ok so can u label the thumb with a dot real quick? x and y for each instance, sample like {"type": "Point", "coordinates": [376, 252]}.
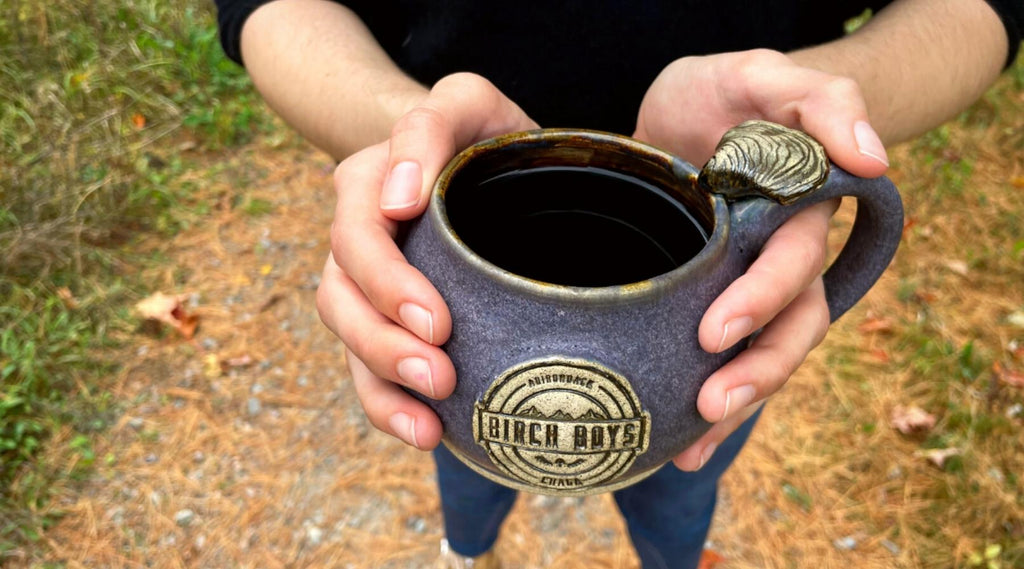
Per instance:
{"type": "Point", "coordinates": [841, 126]}
{"type": "Point", "coordinates": [461, 109]}
{"type": "Point", "coordinates": [832, 110]}
{"type": "Point", "coordinates": [828, 107]}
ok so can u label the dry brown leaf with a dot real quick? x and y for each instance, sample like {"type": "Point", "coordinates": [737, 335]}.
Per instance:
{"type": "Point", "coordinates": [237, 361]}
{"type": "Point", "coordinates": [183, 393]}
{"type": "Point", "coordinates": [938, 456]}
{"type": "Point", "coordinates": [270, 302]}
{"type": "Point", "coordinates": [168, 309]}
{"type": "Point", "coordinates": [875, 324]}
{"type": "Point", "coordinates": [958, 267]}
{"type": "Point", "coordinates": [1010, 377]}
{"type": "Point", "coordinates": [911, 419]}
{"type": "Point", "coordinates": [65, 295]}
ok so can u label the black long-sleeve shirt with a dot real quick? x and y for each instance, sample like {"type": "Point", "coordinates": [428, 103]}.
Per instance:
{"type": "Point", "coordinates": [586, 64]}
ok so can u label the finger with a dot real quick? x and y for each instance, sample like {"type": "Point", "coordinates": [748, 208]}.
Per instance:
{"type": "Point", "coordinates": [791, 259]}
{"type": "Point", "coordinates": [699, 453]}
{"type": "Point", "coordinates": [765, 366]}
{"type": "Point", "coordinates": [828, 107]}
{"type": "Point", "coordinates": [461, 109]}
{"type": "Point", "coordinates": [362, 243]}
{"type": "Point", "coordinates": [389, 351]}
{"type": "Point", "coordinates": [392, 410]}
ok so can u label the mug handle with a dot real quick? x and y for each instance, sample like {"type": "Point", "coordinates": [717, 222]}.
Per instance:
{"type": "Point", "coordinates": [798, 175]}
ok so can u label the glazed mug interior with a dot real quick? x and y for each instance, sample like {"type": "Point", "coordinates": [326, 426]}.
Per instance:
{"type": "Point", "coordinates": [576, 210]}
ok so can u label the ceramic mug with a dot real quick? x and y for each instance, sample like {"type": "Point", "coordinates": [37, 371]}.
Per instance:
{"type": "Point", "coordinates": [577, 266]}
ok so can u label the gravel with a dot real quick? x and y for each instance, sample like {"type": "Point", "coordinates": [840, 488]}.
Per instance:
{"type": "Point", "coordinates": [184, 517]}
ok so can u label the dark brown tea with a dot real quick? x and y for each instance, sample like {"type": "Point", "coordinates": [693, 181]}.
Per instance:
{"type": "Point", "coordinates": [578, 226]}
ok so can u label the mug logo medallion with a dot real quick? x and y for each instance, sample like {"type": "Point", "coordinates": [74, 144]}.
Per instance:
{"type": "Point", "coordinates": [561, 424]}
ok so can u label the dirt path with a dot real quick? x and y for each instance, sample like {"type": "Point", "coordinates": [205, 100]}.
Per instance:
{"type": "Point", "coordinates": [247, 447]}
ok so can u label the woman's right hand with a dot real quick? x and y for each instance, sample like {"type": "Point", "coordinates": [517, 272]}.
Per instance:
{"type": "Point", "coordinates": [389, 316]}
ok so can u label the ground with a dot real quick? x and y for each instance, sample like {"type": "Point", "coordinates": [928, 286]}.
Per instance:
{"type": "Point", "coordinates": [246, 446]}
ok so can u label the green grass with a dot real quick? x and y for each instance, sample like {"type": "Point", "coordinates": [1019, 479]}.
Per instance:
{"type": "Point", "coordinates": [951, 365]}
{"type": "Point", "coordinates": [105, 107]}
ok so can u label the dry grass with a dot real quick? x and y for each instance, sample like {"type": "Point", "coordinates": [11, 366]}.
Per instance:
{"type": "Point", "coordinates": [304, 482]}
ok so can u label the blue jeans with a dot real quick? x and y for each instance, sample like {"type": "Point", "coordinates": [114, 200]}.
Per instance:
{"type": "Point", "coordinates": [668, 514]}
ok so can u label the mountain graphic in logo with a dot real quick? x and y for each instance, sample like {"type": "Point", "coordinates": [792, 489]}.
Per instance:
{"type": "Point", "coordinates": [532, 412]}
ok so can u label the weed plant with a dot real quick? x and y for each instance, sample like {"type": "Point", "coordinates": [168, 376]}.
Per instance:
{"type": "Point", "coordinates": [102, 105]}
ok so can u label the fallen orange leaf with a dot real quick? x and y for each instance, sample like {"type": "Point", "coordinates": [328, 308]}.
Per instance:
{"type": "Point", "coordinates": [881, 355]}
{"type": "Point", "coordinates": [875, 324]}
{"type": "Point", "coordinates": [926, 296]}
{"type": "Point", "coordinates": [709, 559]}
{"type": "Point", "coordinates": [1010, 377]}
{"type": "Point", "coordinates": [168, 309]}
{"type": "Point", "coordinates": [1017, 182]}
{"type": "Point", "coordinates": [139, 121]}
{"type": "Point", "coordinates": [908, 224]}
{"type": "Point", "coordinates": [1017, 350]}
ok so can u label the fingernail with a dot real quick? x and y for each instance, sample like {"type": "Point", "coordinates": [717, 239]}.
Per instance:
{"type": "Point", "coordinates": [404, 427]}
{"type": "Point", "coordinates": [868, 142]}
{"type": "Point", "coordinates": [418, 320]}
{"type": "Point", "coordinates": [415, 372]}
{"type": "Point", "coordinates": [738, 398]}
{"type": "Point", "coordinates": [733, 331]}
{"type": "Point", "coordinates": [402, 186]}
{"type": "Point", "coordinates": [705, 454]}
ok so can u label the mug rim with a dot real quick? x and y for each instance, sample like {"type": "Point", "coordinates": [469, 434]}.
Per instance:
{"type": "Point", "coordinates": [653, 286]}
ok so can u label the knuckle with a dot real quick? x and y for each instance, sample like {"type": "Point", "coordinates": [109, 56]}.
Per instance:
{"type": "Point", "coordinates": [764, 55]}
{"type": "Point", "coordinates": [824, 320]}
{"type": "Point", "coordinates": [354, 162]}
{"type": "Point", "coordinates": [761, 283]}
{"type": "Point", "coordinates": [749, 71]}
{"type": "Point", "coordinates": [802, 250]}
{"type": "Point", "coordinates": [340, 236]}
{"type": "Point", "coordinates": [362, 343]}
{"type": "Point", "coordinates": [374, 415]}
{"type": "Point", "coordinates": [811, 253]}
{"type": "Point", "coordinates": [753, 62]}
{"type": "Point", "coordinates": [341, 172]}
{"type": "Point", "coordinates": [840, 88]}
{"type": "Point", "coordinates": [323, 302]}
{"type": "Point", "coordinates": [464, 81]}
{"type": "Point", "coordinates": [778, 371]}
{"type": "Point", "coordinates": [378, 288]}
{"type": "Point", "coordinates": [420, 119]}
